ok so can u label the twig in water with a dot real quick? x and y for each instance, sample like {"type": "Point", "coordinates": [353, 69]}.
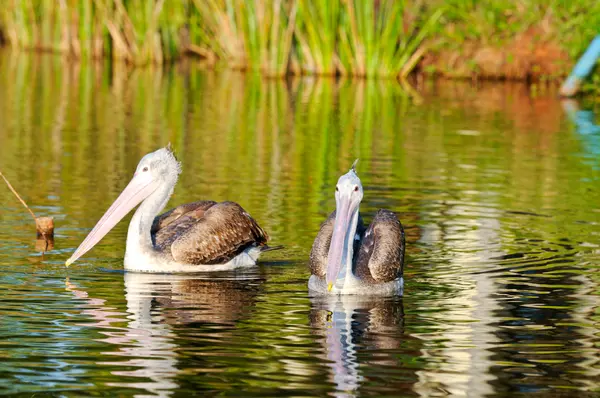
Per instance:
{"type": "Point", "coordinates": [44, 225]}
{"type": "Point", "coordinates": [18, 197]}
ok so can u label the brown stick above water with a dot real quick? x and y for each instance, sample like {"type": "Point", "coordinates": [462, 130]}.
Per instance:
{"type": "Point", "coordinates": [43, 225]}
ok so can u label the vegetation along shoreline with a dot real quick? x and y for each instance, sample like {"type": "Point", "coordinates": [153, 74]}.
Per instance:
{"type": "Point", "coordinates": [533, 41]}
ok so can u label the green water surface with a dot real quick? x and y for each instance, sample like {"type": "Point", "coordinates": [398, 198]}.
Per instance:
{"type": "Point", "coordinates": [496, 185]}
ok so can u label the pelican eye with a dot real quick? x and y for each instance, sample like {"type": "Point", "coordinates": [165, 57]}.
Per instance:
{"type": "Point", "coordinates": [356, 188]}
{"type": "Point", "coordinates": [145, 168]}
{"type": "Point", "coordinates": [336, 189]}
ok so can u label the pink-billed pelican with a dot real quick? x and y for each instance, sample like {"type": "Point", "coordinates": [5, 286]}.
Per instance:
{"type": "Point", "coordinates": [194, 237]}
{"type": "Point", "coordinates": [347, 259]}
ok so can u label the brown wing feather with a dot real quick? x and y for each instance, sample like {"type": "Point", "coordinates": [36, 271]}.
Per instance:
{"type": "Point", "coordinates": [168, 224]}
{"type": "Point", "coordinates": [320, 248]}
{"type": "Point", "coordinates": [381, 253]}
{"type": "Point", "coordinates": [224, 232]}
{"type": "Point", "coordinates": [172, 215]}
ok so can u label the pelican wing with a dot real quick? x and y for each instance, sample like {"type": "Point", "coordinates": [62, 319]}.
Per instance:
{"type": "Point", "coordinates": [170, 224]}
{"type": "Point", "coordinates": [318, 254]}
{"type": "Point", "coordinates": [381, 253]}
{"type": "Point", "coordinates": [224, 231]}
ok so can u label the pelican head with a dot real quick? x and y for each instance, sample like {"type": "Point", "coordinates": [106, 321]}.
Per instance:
{"type": "Point", "coordinates": [161, 165]}
{"type": "Point", "coordinates": [348, 195]}
{"type": "Point", "coordinates": [157, 171]}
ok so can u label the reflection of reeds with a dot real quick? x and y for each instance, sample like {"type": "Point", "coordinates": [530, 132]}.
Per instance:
{"type": "Point", "coordinates": [276, 147]}
{"type": "Point", "coordinates": [236, 134]}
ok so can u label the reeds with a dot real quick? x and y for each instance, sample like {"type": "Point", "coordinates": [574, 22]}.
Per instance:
{"type": "Point", "coordinates": [316, 37]}
{"type": "Point", "coordinates": [383, 38]}
{"type": "Point", "coordinates": [130, 30]}
{"type": "Point", "coordinates": [63, 26]}
{"type": "Point", "coordinates": [254, 34]}
{"type": "Point", "coordinates": [362, 38]}
{"type": "Point", "coordinates": [275, 37]}
{"type": "Point", "coordinates": [346, 37]}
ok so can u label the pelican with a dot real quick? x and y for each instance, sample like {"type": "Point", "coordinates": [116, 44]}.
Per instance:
{"type": "Point", "coordinates": [377, 266]}
{"type": "Point", "coordinates": [194, 237]}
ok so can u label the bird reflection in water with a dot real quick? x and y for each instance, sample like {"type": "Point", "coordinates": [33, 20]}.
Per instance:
{"type": "Point", "coordinates": [351, 323]}
{"type": "Point", "coordinates": [155, 304]}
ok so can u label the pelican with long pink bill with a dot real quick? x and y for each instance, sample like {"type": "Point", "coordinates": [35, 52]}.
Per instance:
{"type": "Point", "coordinates": [194, 237]}
{"type": "Point", "coordinates": [346, 258]}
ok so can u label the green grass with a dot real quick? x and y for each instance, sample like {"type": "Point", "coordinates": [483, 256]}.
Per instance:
{"type": "Point", "coordinates": [571, 25]}
{"type": "Point", "coordinates": [526, 24]}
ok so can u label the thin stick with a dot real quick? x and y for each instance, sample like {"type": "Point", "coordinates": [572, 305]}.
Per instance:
{"type": "Point", "coordinates": [18, 197]}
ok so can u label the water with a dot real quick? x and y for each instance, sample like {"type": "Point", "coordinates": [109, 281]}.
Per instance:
{"type": "Point", "coordinates": [497, 187]}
